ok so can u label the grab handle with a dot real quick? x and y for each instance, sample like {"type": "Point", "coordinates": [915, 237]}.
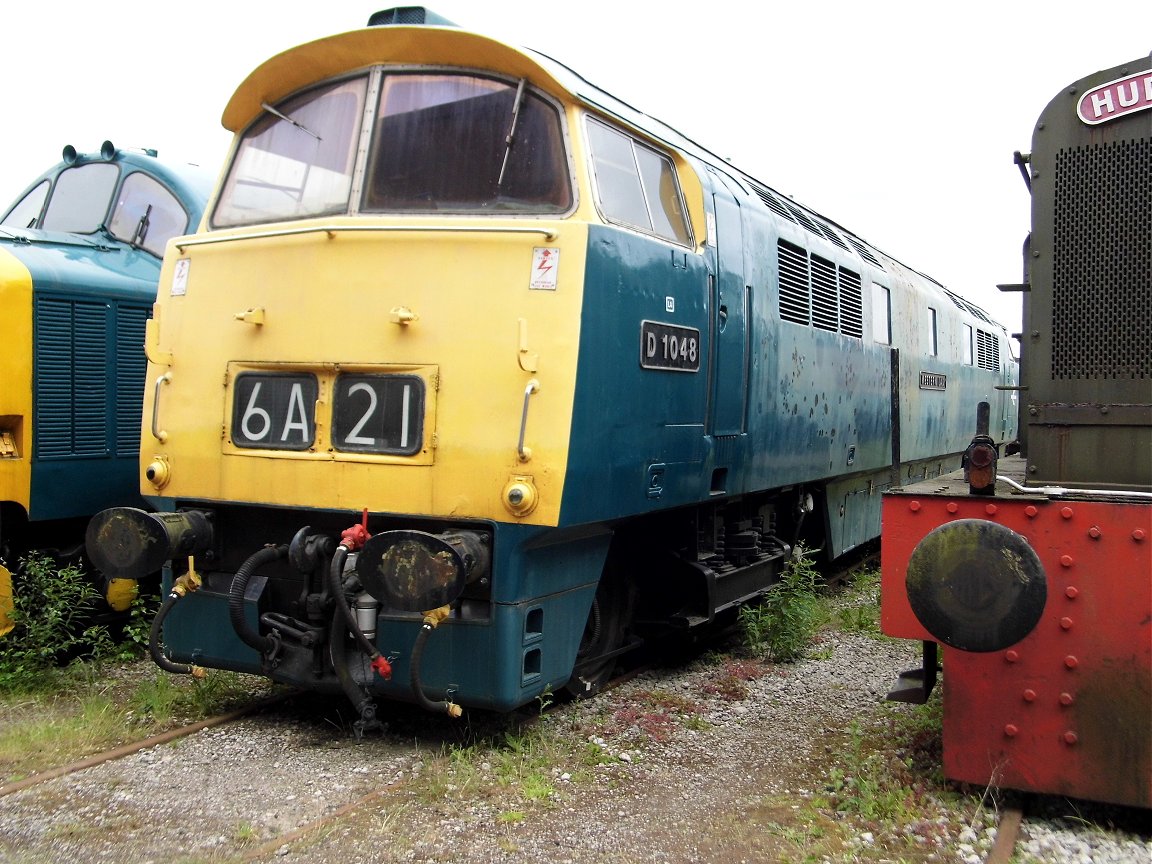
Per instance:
{"type": "Point", "coordinates": [525, 453]}
{"type": "Point", "coordinates": [159, 434]}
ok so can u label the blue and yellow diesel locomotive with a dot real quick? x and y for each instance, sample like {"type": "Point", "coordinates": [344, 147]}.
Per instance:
{"type": "Point", "coordinates": [475, 374]}
{"type": "Point", "coordinates": [1033, 575]}
{"type": "Point", "coordinates": [80, 254]}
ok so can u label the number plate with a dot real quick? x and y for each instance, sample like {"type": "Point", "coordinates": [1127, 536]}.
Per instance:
{"type": "Point", "coordinates": [378, 414]}
{"type": "Point", "coordinates": [274, 411]}
{"type": "Point", "coordinates": [371, 413]}
{"type": "Point", "coordinates": [666, 346]}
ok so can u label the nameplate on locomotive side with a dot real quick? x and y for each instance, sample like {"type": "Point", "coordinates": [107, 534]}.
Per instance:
{"type": "Point", "coordinates": [667, 346]}
{"type": "Point", "coordinates": [933, 381]}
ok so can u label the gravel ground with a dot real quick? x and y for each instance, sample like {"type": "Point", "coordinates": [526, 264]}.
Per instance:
{"type": "Point", "coordinates": [712, 761]}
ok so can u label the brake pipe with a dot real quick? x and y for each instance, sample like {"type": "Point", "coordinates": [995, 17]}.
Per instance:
{"type": "Point", "coordinates": [185, 584]}
{"type": "Point", "coordinates": [431, 620]}
{"type": "Point", "coordinates": [250, 637]}
{"type": "Point", "coordinates": [352, 540]}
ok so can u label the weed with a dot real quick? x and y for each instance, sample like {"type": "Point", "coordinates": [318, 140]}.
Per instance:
{"type": "Point", "coordinates": [156, 699]}
{"type": "Point", "coordinates": [731, 681]}
{"type": "Point", "coordinates": [511, 816]}
{"type": "Point", "coordinates": [785, 621]}
{"type": "Point", "coordinates": [51, 608]}
{"type": "Point", "coordinates": [244, 833]}
{"type": "Point", "coordinates": [545, 699]}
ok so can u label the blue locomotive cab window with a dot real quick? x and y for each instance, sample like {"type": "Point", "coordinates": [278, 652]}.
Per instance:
{"type": "Point", "coordinates": [636, 185]}
{"type": "Point", "coordinates": [462, 143]}
{"type": "Point", "coordinates": [79, 202]}
{"type": "Point", "coordinates": [297, 160]}
{"type": "Point", "coordinates": [26, 211]}
{"type": "Point", "coordinates": [146, 214]}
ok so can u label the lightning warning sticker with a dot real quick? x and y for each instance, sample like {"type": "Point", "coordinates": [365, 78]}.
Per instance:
{"type": "Point", "coordinates": [180, 277]}
{"type": "Point", "coordinates": [545, 263]}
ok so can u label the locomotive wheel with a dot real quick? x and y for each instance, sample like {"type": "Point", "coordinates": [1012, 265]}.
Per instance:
{"type": "Point", "coordinates": [604, 632]}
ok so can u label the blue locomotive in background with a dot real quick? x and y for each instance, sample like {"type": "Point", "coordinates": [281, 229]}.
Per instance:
{"type": "Point", "coordinates": [467, 344]}
{"type": "Point", "coordinates": [80, 253]}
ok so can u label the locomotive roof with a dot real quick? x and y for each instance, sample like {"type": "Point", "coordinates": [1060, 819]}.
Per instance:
{"type": "Point", "coordinates": [347, 52]}
{"type": "Point", "coordinates": [190, 183]}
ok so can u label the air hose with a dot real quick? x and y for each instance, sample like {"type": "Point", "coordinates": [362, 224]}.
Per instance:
{"type": "Point", "coordinates": [431, 619]}
{"type": "Point", "coordinates": [249, 636]}
{"type": "Point", "coordinates": [189, 582]}
{"type": "Point", "coordinates": [335, 572]}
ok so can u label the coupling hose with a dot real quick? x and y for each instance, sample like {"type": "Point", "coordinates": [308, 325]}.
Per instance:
{"type": "Point", "coordinates": [442, 707]}
{"type": "Point", "coordinates": [335, 585]}
{"type": "Point", "coordinates": [250, 637]}
{"type": "Point", "coordinates": [154, 648]}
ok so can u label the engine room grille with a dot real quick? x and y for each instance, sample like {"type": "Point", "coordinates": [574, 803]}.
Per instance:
{"type": "Point", "coordinates": [1102, 251]}
{"type": "Point", "coordinates": [987, 351]}
{"type": "Point", "coordinates": [818, 292]}
{"type": "Point", "coordinates": [70, 392]}
{"type": "Point", "coordinates": [77, 401]}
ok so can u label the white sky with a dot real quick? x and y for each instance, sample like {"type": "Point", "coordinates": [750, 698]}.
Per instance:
{"type": "Point", "coordinates": [896, 119]}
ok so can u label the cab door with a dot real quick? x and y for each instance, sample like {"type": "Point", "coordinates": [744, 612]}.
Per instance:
{"type": "Point", "coordinates": [730, 300]}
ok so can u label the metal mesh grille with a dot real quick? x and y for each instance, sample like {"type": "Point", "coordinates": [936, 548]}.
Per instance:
{"type": "Point", "coordinates": [1102, 251]}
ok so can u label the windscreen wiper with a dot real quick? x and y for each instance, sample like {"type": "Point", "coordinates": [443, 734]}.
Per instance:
{"type": "Point", "coordinates": [511, 131]}
{"type": "Point", "coordinates": [288, 119]}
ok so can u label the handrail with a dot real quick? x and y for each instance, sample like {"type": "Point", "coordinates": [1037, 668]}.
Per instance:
{"type": "Point", "coordinates": [526, 454]}
{"type": "Point", "coordinates": [332, 230]}
{"type": "Point", "coordinates": [159, 434]}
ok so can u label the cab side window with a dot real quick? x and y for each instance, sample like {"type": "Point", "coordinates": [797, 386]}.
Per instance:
{"type": "Point", "coordinates": [636, 185]}
{"type": "Point", "coordinates": [27, 210]}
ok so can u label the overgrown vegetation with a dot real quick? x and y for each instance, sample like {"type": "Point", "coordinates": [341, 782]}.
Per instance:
{"type": "Point", "coordinates": [784, 623]}
{"type": "Point", "coordinates": [70, 687]}
{"type": "Point", "coordinates": [52, 610]}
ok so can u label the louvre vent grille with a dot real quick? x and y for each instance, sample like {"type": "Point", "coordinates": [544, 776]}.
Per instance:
{"type": "Point", "coordinates": [864, 251]}
{"type": "Point", "coordinates": [772, 201]}
{"type": "Point", "coordinates": [814, 290]}
{"type": "Point", "coordinates": [825, 313]}
{"type": "Point", "coordinates": [71, 389]}
{"type": "Point", "coordinates": [1102, 259]}
{"type": "Point", "coordinates": [987, 351]}
{"type": "Point", "coordinates": [851, 304]}
{"type": "Point", "coordinates": [830, 232]}
{"type": "Point", "coordinates": [803, 219]}
{"type": "Point", "coordinates": [793, 263]}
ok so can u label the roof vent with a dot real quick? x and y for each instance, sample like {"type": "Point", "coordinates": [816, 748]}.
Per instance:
{"type": "Point", "coordinates": [408, 15]}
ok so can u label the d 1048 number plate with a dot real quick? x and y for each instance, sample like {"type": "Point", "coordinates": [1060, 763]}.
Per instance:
{"type": "Point", "coordinates": [667, 346]}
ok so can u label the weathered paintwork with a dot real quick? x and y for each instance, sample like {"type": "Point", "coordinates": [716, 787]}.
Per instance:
{"type": "Point", "coordinates": [544, 431]}
{"type": "Point", "coordinates": [1066, 709]}
{"type": "Point", "coordinates": [1041, 593]}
